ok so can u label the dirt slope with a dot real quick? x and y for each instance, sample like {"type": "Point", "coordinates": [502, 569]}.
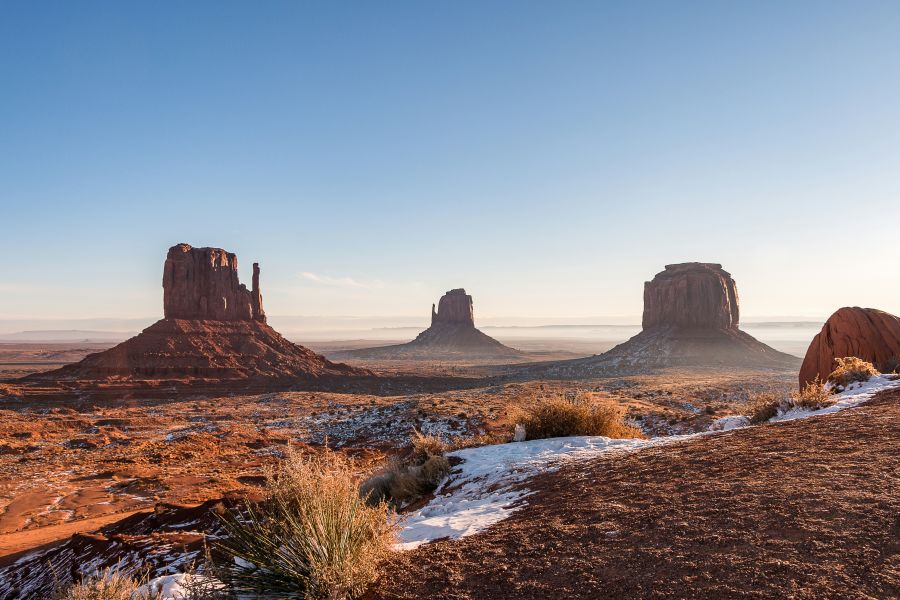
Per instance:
{"type": "Point", "coordinates": [801, 509]}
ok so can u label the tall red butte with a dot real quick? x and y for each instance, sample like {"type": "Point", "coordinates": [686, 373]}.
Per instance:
{"type": "Point", "coordinates": [870, 334]}
{"type": "Point", "coordinates": [691, 319]}
{"type": "Point", "coordinates": [214, 331]}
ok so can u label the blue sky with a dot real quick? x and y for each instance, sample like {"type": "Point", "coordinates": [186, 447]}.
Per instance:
{"type": "Point", "coordinates": [550, 157]}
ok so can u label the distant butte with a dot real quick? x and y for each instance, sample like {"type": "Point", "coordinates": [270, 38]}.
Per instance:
{"type": "Point", "coordinates": [451, 336]}
{"type": "Point", "coordinates": [214, 331]}
{"type": "Point", "coordinates": [691, 317]}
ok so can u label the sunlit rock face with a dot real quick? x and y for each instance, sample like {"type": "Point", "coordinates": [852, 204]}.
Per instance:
{"type": "Point", "coordinates": [691, 296]}
{"type": "Point", "coordinates": [202, 283]}
{"type": "Point", "coordinates": [870, 334]}
{"type": "Point", "coordinates": [454, 307]}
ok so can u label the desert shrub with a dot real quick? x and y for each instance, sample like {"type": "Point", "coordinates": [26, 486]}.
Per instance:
{"type": "Point", "coordinates": [851, 369]}
{"type": "Point", "coordinates": [313, 537]}
{"type": "Point", "coordinates": [109, 584]}
{"type": "Point", "coordinates": [425, 446]}
{"type": "Point", "coordinates": [401, 482]}
{"type": "Point", "coordinates": [813, 396]}
{"type": "Point", "coordinates": [560, 417]}
{"type": "Point", "coordinates": [764, 406]}
{"type": "Point", "coordinates": [892, 365]}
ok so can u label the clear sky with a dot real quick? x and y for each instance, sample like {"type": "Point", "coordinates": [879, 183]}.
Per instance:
{"type": "Point", "coordinates": [549, 157]}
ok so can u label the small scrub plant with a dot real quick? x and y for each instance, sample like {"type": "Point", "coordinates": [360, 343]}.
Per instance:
{"type": "Point", "coordinates": [813, 396]}
{"type": "Point", "coordinates": [764, 406]}
{"type": "Point", "coordinates": [401, 482]}
{"type": "Point", "coordinates": [425, 446]}
{"type": "Point", "coordinates": [109, 584]}
{"type": "Point", "coordinates": [851, 369]}
{"type": "Point", "coordinates": [561, 417]}
{"type": "Point", "coordinates": [313, 537]}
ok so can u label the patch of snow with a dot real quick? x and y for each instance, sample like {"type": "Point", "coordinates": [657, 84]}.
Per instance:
{"type": "Point", "coordinates": [729, 422]}
{"type": "Point", "coordinates": [486, 487]}
{"type": "Point", "coordinates": [853, 395]}
{"type": "Point", "coordinates": [481, 491]}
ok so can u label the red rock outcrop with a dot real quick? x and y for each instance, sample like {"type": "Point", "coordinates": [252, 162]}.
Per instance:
{"type": "Point", "coordinates": [214, 331]}
{"type": "Point", "coordinates": [202, 283]}
{"type": "Point", "coordinates": [691, 317]}
{"type": "Point", "coordinates": [454, 307]}
{"type": "Point", "coordinates": [870, 334]}
{"type": "Point", "coordinates": [691, 296]}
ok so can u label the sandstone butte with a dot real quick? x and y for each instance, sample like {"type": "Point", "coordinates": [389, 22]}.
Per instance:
{"type": "Point", "coordinates": [691, 318]}
{"type": "Point", "coordinates": [870, 334]}
{"type": "Point", "coordinates": [214, 329]}
{"type": "Point", "coordinates": [451, 336]}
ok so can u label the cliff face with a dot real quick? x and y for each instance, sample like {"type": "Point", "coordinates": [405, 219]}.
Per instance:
{"type": "Point", "coordinates": [202, 283]}
{"type": "Point", "coordinates": [691, 296]}
{"type": "Point", "coordinates": [870, 334]}
{"type": "Point", "coordinates": [214, 331]}
{"type": "Point", "coordinates": [454, 307]}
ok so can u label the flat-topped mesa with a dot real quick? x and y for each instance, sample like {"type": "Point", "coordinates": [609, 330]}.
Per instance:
{"type": "Point", "coordinates": [454, 307]}
{"type": "Point", "coordinates": [202, 283]}
{"type": "Point", "coordinates": [691, 296]}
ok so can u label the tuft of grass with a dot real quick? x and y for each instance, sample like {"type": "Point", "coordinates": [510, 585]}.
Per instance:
{"type": "Point", "coordinates": [892, 365]}
{"type": "Point", "coordinates": [851, 369]}
{"type": "Point", "coordinates": [313, 537]}
{"type": "Point", "coordinates": [813, 396]}
{"type": "Point", "coordinates": [560, 417]}
{"type": "Point", "coordinates": [425, 446]}
{"type": "Point", "coordinates": [109, 584]}
{"type": "Point", "coordinates": [401, 482]}
{"type": "Point", "coordinates": [764, 406]}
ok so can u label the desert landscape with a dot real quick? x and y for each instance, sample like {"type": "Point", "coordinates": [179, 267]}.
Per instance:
{"type": "Point", "coordinates": [451, 301]}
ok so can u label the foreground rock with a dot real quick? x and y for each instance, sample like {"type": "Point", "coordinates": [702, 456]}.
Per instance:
{"type": "Point", "coordinates": [452, 336]}
{"type": "Point", "coordinates": [691, 319]}
{"type": "Point", "coordinates": [866, 333]}
{"type": "Point", "coordinates": [214, 331]}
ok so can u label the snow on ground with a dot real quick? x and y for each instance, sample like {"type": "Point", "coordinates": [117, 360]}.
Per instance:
{"type": "Point", "coordinates": [486, 488]}
{"type": "Point", "coordinates": [853, 395]}
{"type": "Point", "coordinates": [480, 491]}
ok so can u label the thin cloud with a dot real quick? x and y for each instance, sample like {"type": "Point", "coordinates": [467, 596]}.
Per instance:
{"type": "Point", "coordinates": [339, 281]}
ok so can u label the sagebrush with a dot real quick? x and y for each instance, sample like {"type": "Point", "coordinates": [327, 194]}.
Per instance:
{"type": "Point", "coordinates": [851, 369]}
{"type": "Point", "coordinates": [561, 417]}
{"type": "Point", "coordinates": [109, 584]}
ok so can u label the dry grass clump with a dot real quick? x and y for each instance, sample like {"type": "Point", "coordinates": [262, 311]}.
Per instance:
{"type": "Point", "coordinates": [851, 369]}
{"type": "Point", "coordinates": [401, 482]}
{"type": "Point", "coordinates": [560, 417]}
{"type": "Point", "coordinates": [891, 366]}
{"type": "Point", "coordinates": [313, 537]}
{"type": "Point", "coordinates": [764, 406]}
{"type": "Point", "coordinates": [425, 446]}
{"type": "Point", "coordinates": [109, 584]}
{"type": "Point", "coordinates": [812, 397]}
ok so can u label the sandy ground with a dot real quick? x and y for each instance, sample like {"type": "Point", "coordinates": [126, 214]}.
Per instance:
{"type": "Point", "coordinates": [65, 469]}
{"type": "Point", "coordinates": [799, 509]}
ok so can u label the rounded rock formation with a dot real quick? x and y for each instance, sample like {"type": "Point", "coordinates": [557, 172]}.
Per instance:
{"type": "Point", "coordinates": [867, 333]}
{"type": "Point", "coordinates": [691, 296]}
